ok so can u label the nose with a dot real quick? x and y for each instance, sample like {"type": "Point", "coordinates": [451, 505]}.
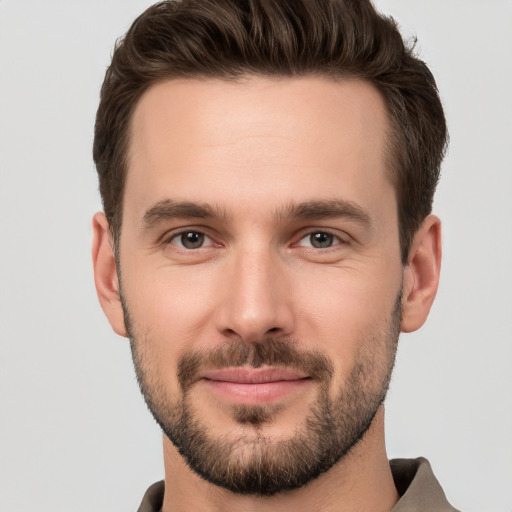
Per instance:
{"type": "Point", "coordinates": [256, 300]}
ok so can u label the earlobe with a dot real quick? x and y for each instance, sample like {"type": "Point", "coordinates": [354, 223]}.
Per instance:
{"type": "Point", "coordinates": [105, 273]}
{"type": "Point", "coordinates": [421, 275]}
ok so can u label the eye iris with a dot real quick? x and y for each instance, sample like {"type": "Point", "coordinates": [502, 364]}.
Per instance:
{"type": "Point", "coordinates": [321, 240]}
{"type": "Point", "coordinates": [192, 240]}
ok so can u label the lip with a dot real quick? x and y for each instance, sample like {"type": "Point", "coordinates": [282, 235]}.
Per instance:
{"type": "Point", "coordinates": [255, 386]}
{"type": "Point", "coordinates": [246, 375]}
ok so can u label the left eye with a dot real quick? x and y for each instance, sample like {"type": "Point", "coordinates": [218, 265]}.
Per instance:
{"type": "Point", "coordinates": [191, 240]}
{"type": "Point", "coordinates": [319, 240]}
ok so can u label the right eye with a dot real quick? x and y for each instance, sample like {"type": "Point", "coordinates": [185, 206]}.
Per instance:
{"type": "Point", "coordinates": [190, 240]}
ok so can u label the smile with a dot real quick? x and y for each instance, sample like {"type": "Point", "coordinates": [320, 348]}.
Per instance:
{"type": "Point", "coordinates": [255, 386]}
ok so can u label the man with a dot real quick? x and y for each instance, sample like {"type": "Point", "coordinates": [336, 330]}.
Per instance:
{"type": "Point", "coordinates": [267, 170]}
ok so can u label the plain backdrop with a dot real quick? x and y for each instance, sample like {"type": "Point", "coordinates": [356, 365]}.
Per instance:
{"type": "Point", "coordinates": [74, 432]}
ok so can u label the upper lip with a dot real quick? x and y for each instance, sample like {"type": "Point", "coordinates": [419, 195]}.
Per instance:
{"type": "Point", "coordinates": [247, 375]}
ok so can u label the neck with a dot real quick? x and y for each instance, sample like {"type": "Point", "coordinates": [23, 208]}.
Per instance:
{"type": "Point", "coordinates": [361, 481]}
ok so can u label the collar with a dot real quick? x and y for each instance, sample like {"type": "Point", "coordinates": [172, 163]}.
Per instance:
{"type": "Point", "coordinates": [415, 482]}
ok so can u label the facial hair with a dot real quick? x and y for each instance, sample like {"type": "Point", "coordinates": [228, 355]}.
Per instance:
{"type": "Point", "coordinates": [257, 464]}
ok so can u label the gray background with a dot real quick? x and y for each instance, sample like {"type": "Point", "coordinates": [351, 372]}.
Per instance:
{"type": "Point", "coordinates": [74, 432]}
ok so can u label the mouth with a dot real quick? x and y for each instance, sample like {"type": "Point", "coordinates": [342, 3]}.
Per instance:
{"type": "Point", "coordinates": [255, 386]}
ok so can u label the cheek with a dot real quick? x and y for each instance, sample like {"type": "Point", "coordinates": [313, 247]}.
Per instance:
{"type": "Point", "coordinates": [170, 307]}
{"type": "Point", "coordinates": [349, 318]}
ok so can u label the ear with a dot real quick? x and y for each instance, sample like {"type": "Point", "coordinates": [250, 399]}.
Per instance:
{"type": "Point", "coordinates": [105, 273]}
{"type": "Point", "coordinates": [421, 274]}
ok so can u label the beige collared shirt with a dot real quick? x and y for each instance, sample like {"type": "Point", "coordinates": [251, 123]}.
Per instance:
{"type": "Point", "coordinates": [415, 482]}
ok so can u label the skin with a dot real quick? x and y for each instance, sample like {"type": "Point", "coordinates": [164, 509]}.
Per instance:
{"type": "Point", "coordinates": [250, 150]}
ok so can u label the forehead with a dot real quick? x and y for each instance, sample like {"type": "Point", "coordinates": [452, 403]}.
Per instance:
{"type": "Point", "coordinates": [261, 137]}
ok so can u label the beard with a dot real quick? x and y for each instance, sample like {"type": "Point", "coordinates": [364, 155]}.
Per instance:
{"type": "Point", "coordinates": [253, 462]}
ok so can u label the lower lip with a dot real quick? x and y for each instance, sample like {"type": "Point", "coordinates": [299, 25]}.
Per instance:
{"type": "Point", "coordinates": [256, 394]}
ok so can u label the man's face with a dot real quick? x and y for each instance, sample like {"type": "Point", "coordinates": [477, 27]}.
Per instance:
{"type": "Point", "coordinates": [260, 272]}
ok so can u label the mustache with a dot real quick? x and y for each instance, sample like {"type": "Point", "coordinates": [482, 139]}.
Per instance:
{"type": "Point", "coordinates": [268, 352]}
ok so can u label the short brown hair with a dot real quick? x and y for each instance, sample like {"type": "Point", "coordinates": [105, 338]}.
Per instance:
{"type": "Point", "coordinates": [278, 38]}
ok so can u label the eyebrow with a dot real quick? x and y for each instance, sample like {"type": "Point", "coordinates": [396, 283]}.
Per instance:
{"type": "Point", "coordinates": [326, 208]}
{"type": "Point", "coordinates": [169, 209]}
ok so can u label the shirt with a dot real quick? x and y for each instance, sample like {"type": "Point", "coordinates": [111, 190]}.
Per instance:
{"type": "Point", "coordinates": [415, 482]}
